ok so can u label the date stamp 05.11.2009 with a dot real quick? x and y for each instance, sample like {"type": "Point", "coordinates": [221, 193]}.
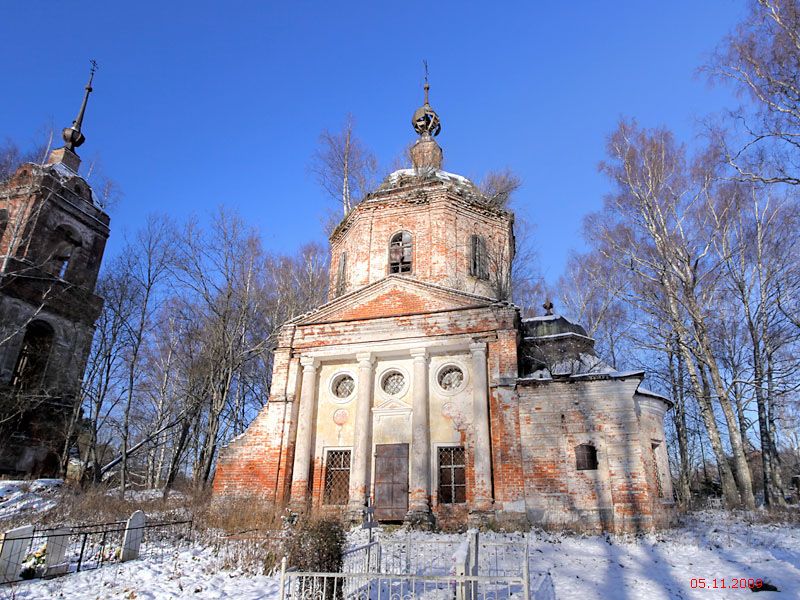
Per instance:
{"type": "Point", "coordinates": [726, 583]}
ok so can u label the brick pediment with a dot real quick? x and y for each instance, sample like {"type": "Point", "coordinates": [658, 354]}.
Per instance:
{"type": "Point", "coordinates": [392, 296]}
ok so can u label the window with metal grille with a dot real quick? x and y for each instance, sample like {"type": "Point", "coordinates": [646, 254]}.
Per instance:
{"type": "Point", "coordinates": [585, 457]}
{"type": "Point", "coordinates": [477, 265]}
{"type": "Point", "coordinates": [393, 383]}
{"type": "Point", "coordinates": [400, 253]}
{"type": "Point", "coordinates": [452, 475]}
{"type": "Point", "coordinates": [451, 378]}
{"type": "Point", "coordinates": [659, 484]}
{"type": "Point", "coordinates": [337, 477]}
{"type": "Point", "coordinates": [343, 386]}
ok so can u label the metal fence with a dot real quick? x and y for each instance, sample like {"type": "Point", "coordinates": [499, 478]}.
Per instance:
{"type": "Point", "coordinates": [52, 552]}
{"type": "Point", "coordinates": [417, 556]}
{"type": "Point", "coordinates": [363, 559]}
{"type": "Point", "coordinates": [466, 568]}
{"type": "Point", "coordinates": [502, 557]}
{"type": "Point", "coordinates": [296, 585]}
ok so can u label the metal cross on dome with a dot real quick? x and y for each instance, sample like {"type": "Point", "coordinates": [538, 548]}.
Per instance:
{"type": "Point", "coordinates": [425, 120]}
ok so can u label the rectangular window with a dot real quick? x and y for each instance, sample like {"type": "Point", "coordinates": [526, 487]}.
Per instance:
{"type": "Point", "coordinates": [657, 471]}
{"type": "Point", "coordinates": [337, 477]}
{"type": "Point", "coordinates": [3, 225]}
{"type": "Point", "coordinates": [585, 457]}
{"type": "Point", "coordinates": [477, 265]}
{"type": "Point", "coordinates": [341, 273]}
{"type": "Point", "coordinates": [452, 475]}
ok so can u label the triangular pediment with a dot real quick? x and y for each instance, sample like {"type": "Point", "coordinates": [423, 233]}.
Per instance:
{"type": "Point", "coordinates": [392, 406]}
{"type": "Point", "coordinates": [392, 296]}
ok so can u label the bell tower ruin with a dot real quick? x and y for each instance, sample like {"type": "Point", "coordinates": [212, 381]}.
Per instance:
{"type": "Point", "coordinates": [53, 232]}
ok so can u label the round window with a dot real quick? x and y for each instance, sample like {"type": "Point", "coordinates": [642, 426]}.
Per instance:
{"type": "Point", "coordinates": [393, 383]}
{"type": "Point", "coordinates": [451, 378]}
{"type": "Point", "coordinates": [343, 386]}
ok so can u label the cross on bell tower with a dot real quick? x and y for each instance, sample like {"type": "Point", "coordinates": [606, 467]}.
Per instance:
{"type": "Point", "coordinates": [73, 136]}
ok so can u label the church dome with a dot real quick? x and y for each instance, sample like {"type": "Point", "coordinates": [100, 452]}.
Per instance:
{"type": "Point", "coordinates": [551, 325]}
{"type": "Point", "coordinates": [426, 224]}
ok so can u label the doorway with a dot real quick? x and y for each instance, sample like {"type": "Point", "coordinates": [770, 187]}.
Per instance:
{"type": "Point", "coordinates": [391, 482]}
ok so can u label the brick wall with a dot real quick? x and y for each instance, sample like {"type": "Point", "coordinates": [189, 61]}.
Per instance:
{"type": "Point", "coordinates": [440, 221]}
{"type": "Point", "coordinates": [557, 416]}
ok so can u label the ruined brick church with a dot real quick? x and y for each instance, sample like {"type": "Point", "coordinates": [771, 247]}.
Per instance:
{"type": "Point", "coordinates": [53, 232]}
{"type": "Point", "coordinates": [419, 390]}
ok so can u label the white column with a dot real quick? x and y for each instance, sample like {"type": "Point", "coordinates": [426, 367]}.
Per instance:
{"type": "Point", "coordinates": [362, 435]}
{"type": "Point", "coordinates": [305, 430]}
{"type": "Point", "coordinates": [420, 480]}
{"type": "Point", "coordinates": [482, 459]}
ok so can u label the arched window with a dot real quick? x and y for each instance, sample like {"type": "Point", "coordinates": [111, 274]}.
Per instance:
{"type": "Point", "coordinates": [62, 250]}
{"type": "Point", "coordinates": [478, 259]}
{"type": "Point", "coordinates": [400, 253]}
{"type": "Point", "coordinates": [33, 356]}
{"type": "Point", "coordinates": [585, 457]}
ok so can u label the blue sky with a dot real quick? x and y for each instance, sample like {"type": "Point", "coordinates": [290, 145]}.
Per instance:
{"type": "Point", "coordinates": [199, 104]}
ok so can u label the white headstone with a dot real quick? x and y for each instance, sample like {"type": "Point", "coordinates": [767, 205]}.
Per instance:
{"type": "Point", "coordinates": [14, 544]}
{"type": "Point", "coordinates": [57, 542]}
{"type": "Point", "coordinates": [133, 536]}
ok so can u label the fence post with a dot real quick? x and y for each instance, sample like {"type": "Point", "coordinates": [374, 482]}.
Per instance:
{"type": "Point", "coordinates": [473, 551]}
{"type": "Point", "coordinates": [132, 539]}
{"type": "Point", "coordinates": [462, 569]}
{"type": "Point", "coordinates": [283, 578]}
{"type": "Point", "coordinates": [473, 566]}
{"type": "Point", "coordinates": [526, 573]}
{"type": "Point", "coordinates": [13, 545]}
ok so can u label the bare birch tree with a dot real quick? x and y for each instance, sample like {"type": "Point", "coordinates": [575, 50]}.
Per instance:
{"type": "Point", "coordinates": [148, 262]}
{"type": "Point", "coordinates": [655, 226]}
{"type": "Point", "coordinates": [762, 58]}
{"type": "Point", "coordinates": [344, 167]}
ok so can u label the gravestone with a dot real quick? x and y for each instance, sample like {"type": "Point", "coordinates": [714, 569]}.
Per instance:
{"type": "Point", "coordinates": [57, 542]}
{"type": "Point", "coordinates": [133, 536]}
{"type": "Point", "coordinates": [14, 544]}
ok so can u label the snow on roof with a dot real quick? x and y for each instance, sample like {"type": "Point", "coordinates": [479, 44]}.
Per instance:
{"type": "Point", "coordinates": [555, 336]}
{"type": "Point", "coordinates": [542, 318]}
{"type": "Point", "coordinates": [438, 173]}
{"type": "Point", "coordinates": [586, 365]}
{"type": "Point", "coordinates": [62, 170]}
{"type": "Point", "coordinates": [646, 392]}
{"type": "Point", "coordinates": [65, 174]}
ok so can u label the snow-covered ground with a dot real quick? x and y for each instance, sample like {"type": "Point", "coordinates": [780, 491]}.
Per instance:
{"type": "Point", "coordinates": [20, 497]}
{"type": "Point", "coordinates": [187, 573]}
{"type": "Point", "coordinates": [711, 545]}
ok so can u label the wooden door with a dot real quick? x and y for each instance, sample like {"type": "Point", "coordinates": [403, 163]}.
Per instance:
{"type": "Point", "coordinates": [391, 482]}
